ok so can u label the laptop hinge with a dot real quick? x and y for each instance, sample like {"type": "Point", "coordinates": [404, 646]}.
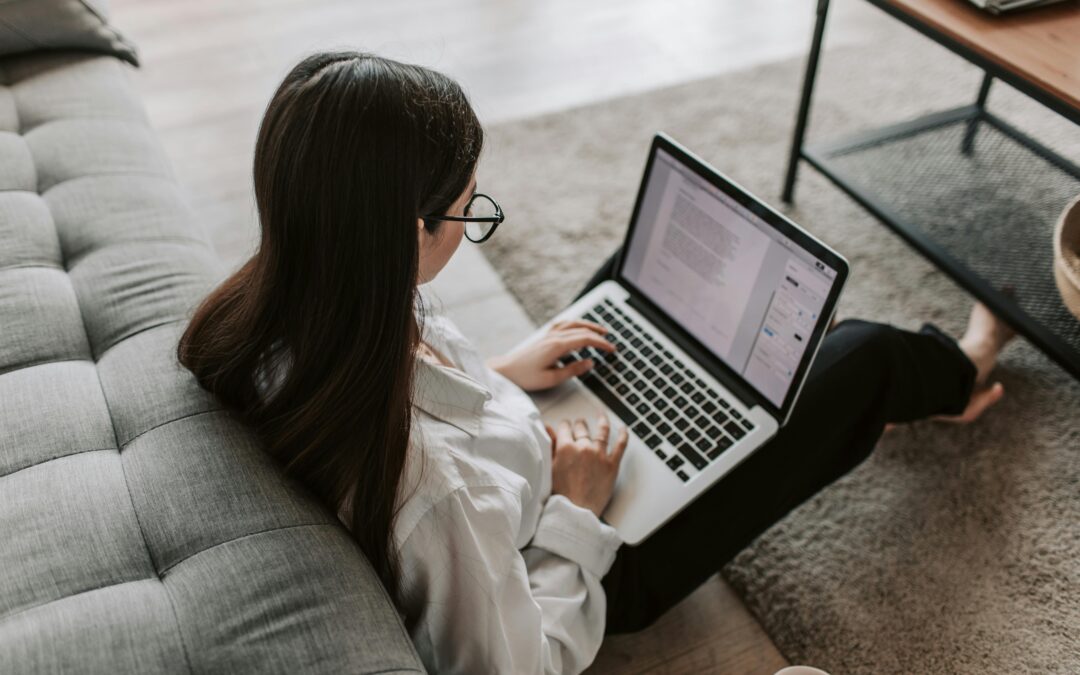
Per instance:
{"type": "Point", "coordinates": [676, 334]}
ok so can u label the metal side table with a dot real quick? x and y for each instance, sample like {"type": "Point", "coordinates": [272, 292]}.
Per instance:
{"type": "Point", "coordinates": [969, 191]}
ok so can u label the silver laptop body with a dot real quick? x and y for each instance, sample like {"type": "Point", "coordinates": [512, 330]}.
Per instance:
{"type": "Point", "coordinates": [717, 309]}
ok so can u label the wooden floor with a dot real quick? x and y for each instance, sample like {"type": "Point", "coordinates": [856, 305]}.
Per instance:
{"type": "Point", "coordinates": [209, 68]}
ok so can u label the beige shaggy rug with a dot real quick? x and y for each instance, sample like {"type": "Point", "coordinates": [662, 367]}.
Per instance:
{"type": "Point", "coordinates": [952, 550]}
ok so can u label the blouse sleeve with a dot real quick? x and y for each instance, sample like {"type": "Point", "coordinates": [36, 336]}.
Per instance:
{"type": "Point", "coordinates": [479, 605]}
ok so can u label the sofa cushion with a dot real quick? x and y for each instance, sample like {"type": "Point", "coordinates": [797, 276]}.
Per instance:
{"type": "Point", "coordinates": [31, 25]}
{"type": "Point", "coordinates": [143, 528]}
{"type": "Point", "coordinates": [126, 620]}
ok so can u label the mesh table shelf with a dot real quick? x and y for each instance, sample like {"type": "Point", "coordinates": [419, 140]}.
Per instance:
{"type": "Point", "coordinates": [970, 192]}
{"type": "Point", "coordinates": [984, 215]}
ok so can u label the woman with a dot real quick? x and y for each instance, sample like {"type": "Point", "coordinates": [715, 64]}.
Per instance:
{"type": "Point", "coordinates": [483, 524]}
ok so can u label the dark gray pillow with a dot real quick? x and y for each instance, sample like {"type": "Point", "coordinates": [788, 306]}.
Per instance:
{"type": "Point", "coordinates": [31, 25]}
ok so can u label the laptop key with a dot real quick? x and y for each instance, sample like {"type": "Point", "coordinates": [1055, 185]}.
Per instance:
{"type": "Point", "coordinates": [650, 394]}
{"type": "Point", "coordinates": [687, 451]}
{"type": "Point", "coordinates": [675, 462]}
{"type": "Point", "coordinates": [681, 424]}
{"type": "Point", "coordinates": [693, 434]}
{"type": "Point", "coordinates": [640, 385]}
{"type": "Point", "coordinates": [676, 378]}
{"type": "Point", "coordinates": [610, 400]}
{"type": "Point", "coordinates": [653, 441]}
{"type": "Point", "coordinates": [687, 387]}
{"type": "Point", "coordinates": [661, 454]}
{"type": "Point", "coordinates": [653, 418]}
{"type": "Point", "coordinates": [709, 407]}
{"type": "Point", "coordinates": [682, 476]}
{"type": "Point", "coordinates": [679, 402]}
{"type": "Point", "coordinates": [661, 404]}
{"type": "Point", "coordinates": [633, 398]}
{"type": "Point", "coordinates": [640, 429]}
{"type": "Point", "coordinates": [670, 413]}
{"type": "Point", "coordinates": [698, 397]}
{"type": "Point", "coordinates": [622, 389]}
{"type": "Point", "coordinates": [642, 409]}
{"type": "Point", "coordinates": [735, 430]}
{"type": "Point", "coordinates": [724, 443]}
{"type": "Point", "coordinates": [747, 425]}
{"type": "Point", "coordinates": [664, 428]}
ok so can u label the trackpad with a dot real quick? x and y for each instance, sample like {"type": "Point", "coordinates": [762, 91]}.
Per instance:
{"type": "Point", "coordinates": [570, 401]}
{"type": "Point", "coordinates": [631, 510]}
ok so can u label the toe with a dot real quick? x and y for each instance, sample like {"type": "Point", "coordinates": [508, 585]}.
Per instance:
{"type": "Point", "coordinates": [980, 401]}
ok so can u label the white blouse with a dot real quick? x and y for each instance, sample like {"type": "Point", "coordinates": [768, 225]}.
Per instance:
{"type": "Point", "coordinates": [501, 575]}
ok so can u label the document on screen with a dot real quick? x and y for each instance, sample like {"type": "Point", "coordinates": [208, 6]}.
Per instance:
{"type": "Point", "coordinates": [702, 263]}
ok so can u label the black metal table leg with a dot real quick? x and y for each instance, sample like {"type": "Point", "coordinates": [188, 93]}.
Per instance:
{"type": "Point", "coordinates": [804, 104]}
{"type": "Point", "coordinates": [973, 124]}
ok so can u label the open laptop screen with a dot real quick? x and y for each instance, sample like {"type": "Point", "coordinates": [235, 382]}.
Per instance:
{"type": "Point", "coordinates": [732, 280]}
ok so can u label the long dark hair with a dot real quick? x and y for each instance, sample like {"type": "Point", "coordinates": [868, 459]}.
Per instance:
{"type": "Point", "coordinates": [352, 150]}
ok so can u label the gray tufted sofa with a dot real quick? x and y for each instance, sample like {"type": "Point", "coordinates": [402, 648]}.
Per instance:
{"type": "Point", "coordinates": [141, 529]}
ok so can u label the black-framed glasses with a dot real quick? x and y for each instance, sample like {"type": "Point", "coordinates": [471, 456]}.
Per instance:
{"type": "Point", "coordinates": [482, 217]}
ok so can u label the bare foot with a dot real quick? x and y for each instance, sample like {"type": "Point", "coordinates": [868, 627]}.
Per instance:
{"type": "Point", "coordinates": [980, 400]}
{"type": "Point", "coordinates": [983, 340]}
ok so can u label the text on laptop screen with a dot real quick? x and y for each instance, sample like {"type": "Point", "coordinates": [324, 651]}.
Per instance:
{"type": "Point", "coordinates": [734, 282]}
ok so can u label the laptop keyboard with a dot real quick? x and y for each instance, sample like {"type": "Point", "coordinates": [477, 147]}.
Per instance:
{"type": "Point", "coordinates": [683, 420]}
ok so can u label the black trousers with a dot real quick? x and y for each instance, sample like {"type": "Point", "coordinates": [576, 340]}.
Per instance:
{"type": "Point", "coordinates": [865, 376]}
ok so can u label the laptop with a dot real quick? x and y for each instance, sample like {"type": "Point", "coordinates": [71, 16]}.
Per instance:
{"type": "Point", "coordinates": [717, 309]}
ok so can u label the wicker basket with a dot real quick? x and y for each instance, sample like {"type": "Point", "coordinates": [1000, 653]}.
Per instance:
{"type": "Point", "coordinates": [1067, 256]}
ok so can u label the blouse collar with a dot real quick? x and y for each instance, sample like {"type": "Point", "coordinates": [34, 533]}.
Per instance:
{"type": "Point", "coordinates": [450, 395]}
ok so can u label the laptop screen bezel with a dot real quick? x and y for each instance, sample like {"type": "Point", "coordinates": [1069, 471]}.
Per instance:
{"type": "Point", "coordinates": [774, 219]}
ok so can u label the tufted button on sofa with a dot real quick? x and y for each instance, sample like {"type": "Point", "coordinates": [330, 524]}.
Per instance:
{"type": "Point", "coordinates": [141, 528]}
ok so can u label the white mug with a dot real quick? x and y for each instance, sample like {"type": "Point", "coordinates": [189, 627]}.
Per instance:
{"type": "Point", "coordinates": [801, 670]}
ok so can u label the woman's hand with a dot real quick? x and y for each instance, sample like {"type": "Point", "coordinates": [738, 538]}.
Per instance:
{"type": "Point", "coordinates": [582, 468]}
{"type": "Point", "coordinates": [535, 366]}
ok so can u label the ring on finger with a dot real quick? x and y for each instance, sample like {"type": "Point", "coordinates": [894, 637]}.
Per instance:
{"type": "Point", "coordinates": [581, 430]}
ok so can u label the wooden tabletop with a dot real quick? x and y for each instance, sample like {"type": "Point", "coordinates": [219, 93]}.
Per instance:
{"type": "Point", "coordinates": [1041, 46]}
